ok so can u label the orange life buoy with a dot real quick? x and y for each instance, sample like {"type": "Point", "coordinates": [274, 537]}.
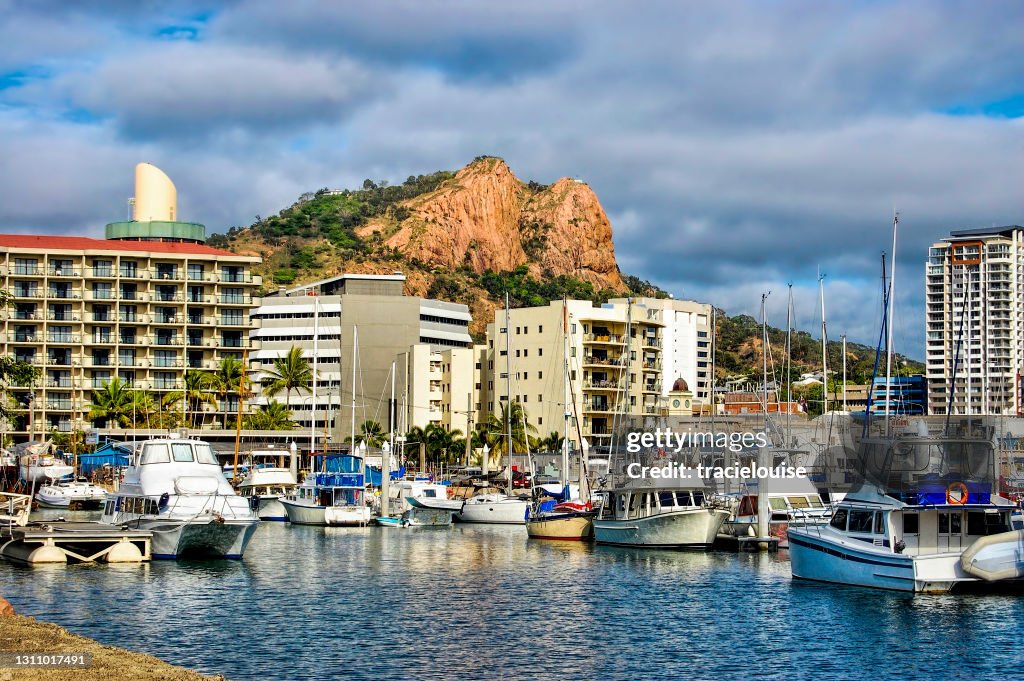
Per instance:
{"type": "Point", "coordinates": [960, 490]}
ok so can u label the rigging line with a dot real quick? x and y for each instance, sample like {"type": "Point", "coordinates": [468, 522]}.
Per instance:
{"type": "Point", "coordinates": [956, 364]}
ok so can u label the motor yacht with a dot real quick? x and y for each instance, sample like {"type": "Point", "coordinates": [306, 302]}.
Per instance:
{"type": "Point", "coordinates": [174, 487]}
{"type": "Point", "coordinates": [264, 487]}
{"type": "Point", "coordinates": [73, 495]}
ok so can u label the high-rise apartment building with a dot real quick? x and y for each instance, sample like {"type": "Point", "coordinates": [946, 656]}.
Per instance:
{"type": "Point", "coordinates": [974, 287]}
{"type": "Point", "coordinates": [614, 355]}
{"type": "Point", "coordinates": [145, 305]}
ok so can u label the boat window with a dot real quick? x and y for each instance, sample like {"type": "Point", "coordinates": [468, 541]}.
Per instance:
{"type": "Point", "coordinates": [981, 523]}
{"type": "Point", "coordinates": [155, 453]}
{"type": "Point", "coordinates": [430, 493]}
{"type": "Point", "coordinates": [797, 502]}
{"type": "Point", "coordinates": [204, 454]}
{"type": "Point", "coordinates": [879, 522]}
{"type": "Point", "coordinates": [776, 503]}
{"type": "Point", "coordinates": [182, 451]}
{"type": "Point", "coordinates": [910, 523]}
{"type": "Point", "coordinates": [817, 503]}
{"type": "Point", "coordinates": [698, 498]}
{"type": "Point", "coordinates": [666, 499]}
{"type": "Point", "coordinates": [861, 521]}
{"type": "Point", "coordinates": [950, 523]}
{"type": "Point", "coordinates": [839, 519]}
{"type": "Point", "coordinates": [634, 503]}
{"type": "Point", "coordinates": [683, 499]}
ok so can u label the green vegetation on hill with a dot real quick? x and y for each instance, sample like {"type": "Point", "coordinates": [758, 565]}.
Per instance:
{"type": "Point", "coordinates": [738, 352]}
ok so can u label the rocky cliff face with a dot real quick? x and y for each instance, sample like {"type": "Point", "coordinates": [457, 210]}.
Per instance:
{"type": "Point", "coordinates": [487, 219]}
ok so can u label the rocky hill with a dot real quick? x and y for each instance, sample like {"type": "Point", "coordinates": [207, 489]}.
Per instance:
{"type": "Point", "coordinates": [466, 236]}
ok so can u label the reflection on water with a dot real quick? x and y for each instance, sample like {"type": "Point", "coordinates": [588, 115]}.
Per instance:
{"type": "Point", "coordinates": [484, 602]}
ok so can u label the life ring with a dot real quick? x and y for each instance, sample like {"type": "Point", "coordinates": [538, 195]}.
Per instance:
{"type": "Point", "coordinates": [661, 453]}
{"type": "Point", "coordinates": [960, 489]}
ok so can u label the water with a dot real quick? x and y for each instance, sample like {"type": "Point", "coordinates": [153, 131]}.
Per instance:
{"type": "Point", "coordinates": [483, 602]}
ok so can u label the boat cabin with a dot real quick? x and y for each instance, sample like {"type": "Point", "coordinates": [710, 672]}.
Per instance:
{"type": "Point", "coordinates": [629, 504]}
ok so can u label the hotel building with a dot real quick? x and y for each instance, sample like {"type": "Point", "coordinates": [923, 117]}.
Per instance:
{"type": "Point", "coordinates": [146, 304]}
{"type": "Point", "coordinates": [974, 288]}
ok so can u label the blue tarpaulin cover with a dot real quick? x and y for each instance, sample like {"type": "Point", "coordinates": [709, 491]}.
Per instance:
{"type": "Point", "coordinates": [111, 454]}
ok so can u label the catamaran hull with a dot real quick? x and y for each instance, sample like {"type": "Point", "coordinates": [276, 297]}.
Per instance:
{"type": "Point", "coordinates": [690, 529]}
{"type": "Point", "coordinates": [504, 512]}
{"type": "Point", "coordinates": [330, 516]}
{"type": "Point", "coordinates": [190, 539]}
{"type": "Point", "coordinates": [565, 527]}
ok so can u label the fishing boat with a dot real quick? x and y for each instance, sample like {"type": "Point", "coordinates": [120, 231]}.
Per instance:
{"type": "Point", "coordinates": [73, 495]}
{"type": "Point", "coordinates": [174, 487]}
{"type": "Point", "coordinates": [657, 513]}
{"type": "Point", "coordinates": [925, 519]}
{"type": "Point", "coordinates": [264, 486]}
{"type": "Point", "coordinates": [336, 497]}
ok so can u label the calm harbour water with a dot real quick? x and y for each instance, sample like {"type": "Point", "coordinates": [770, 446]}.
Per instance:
{"type": "Point", "coordinates": [483, 602]}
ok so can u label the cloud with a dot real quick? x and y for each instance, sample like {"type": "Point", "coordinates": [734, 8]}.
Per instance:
{"type": "Point", "coordinates": [735, 146]}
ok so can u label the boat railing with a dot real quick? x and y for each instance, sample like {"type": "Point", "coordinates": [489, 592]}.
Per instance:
{"type": "Point", "coordinates": [14, 509]}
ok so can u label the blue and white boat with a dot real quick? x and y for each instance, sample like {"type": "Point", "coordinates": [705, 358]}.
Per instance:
{"type": "Point", "coordinates": [925, 519]}
{"type": "Point", "coordinates": [334, 497]}
{"type": "Point", "coordinates": [175, 488]}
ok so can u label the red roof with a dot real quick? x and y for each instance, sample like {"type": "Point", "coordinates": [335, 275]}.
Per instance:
{"type": "Point", "coordinates": [81, 243]}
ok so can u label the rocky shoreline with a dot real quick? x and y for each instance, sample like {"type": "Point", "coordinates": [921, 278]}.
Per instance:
{"type": "Point", "coordinates": [20, 634]}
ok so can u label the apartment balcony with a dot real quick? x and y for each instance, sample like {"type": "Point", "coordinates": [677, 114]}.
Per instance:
{"type": "Point", "coordinates": [66, 361]}
{"type": "Point", "coordinates": [238, 278]}
{"type": "Point", "coordinates": [176, 274]}
{"type": "Point", "coordinates": [168, 363]}
{"type": "Point", "coordinates": [602, 339]}
{"type": "Point", "coordinates": [651, 342]}
{"type": "Point", "coordinates": [27, 271]}
{"type": "Point", "coordinates": [235, 300]}
{"type": "Point", "coordinates": [165, 341]}
{"type": "Point", "coordinates": [166, 385]}
{"type": "Point", "coordinates": [64, 272]}
{"type": "Point", "coordinates": [652, 365]}
{"type": "Point", "coordinates": [599, 407]}
{"type": "Point", "coordinates": [167, 319]}
{"type": "Point", "coordinates": [34, 293]}
{"type": "Point", "coordinates": [62, 405]}
{"type": "Point", "coordinates": [234, 321]}
{"type": "Point", "coordinates": [652, 387]}
{"type": "Point", "coordinates": [60, 383]}
{"type": "Point", "coordinates": [64, 338]}
{"type": "Point", "coordinates": [133, 274]}
{"type": "Point", "coordinates": [27, 316]}
{"type": "Point", "coordinates": [604, 385]}
{"type": "Point", "coordinates": [201, 321]}
{"type": "Point", "coordinates": [64, 295]}
{"type": "Point", "coordinates": [590, 360]}
{"type": "Point", "coordinates": [24, 338]}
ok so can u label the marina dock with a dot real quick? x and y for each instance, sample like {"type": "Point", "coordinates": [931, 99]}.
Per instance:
{"type": "Point", "coordinates": [73, 542]}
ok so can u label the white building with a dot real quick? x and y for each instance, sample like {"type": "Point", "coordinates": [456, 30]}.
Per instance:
{"type": "Point", "coordinates": [974, 286]}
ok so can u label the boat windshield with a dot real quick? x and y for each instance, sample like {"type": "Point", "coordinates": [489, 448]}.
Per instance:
{"type": "Point", "coordinates": [181, 451]}
{"type": "Point", "coordinates": [204, 454]}
{"type": "Point", "coordinates": [155, 453]}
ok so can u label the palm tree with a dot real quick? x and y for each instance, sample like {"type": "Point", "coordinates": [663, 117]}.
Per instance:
{"type": "Point", "coordinates": [438, 441]}
{"type": "Point", "coordinates": [229, 378]}
{"type": "Point", "coordinates": [291, 372]}
{"type": "Point", "coordinates": [372, 433]}
{"type": "Point", "coordinates": [495, 426]}
{"type": "Point", "coordinates": [113, 402]}
{"type": "Point", "coordinates": [198, 391]}
{"type": "Point", "coordinates": [167, 416]}
{"type": "Point", "coordinates": [551, 443]}
{"type": "Point", "coordinates": [272, 416]}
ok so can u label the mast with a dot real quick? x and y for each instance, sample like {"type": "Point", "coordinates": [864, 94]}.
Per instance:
{"type": "Point", "coordinates": [508, 394]}
{"type": "Point", "coordinates": [238, 422]}
{"type": "Point", "coordinates": [824, 346]}
{"type": "Point", "coordinates": [565, 397]}
{"type": "Point", "coordinates": [844, 373]}
{"type": "Point", "coordinates": [762, 496]}
{"type": "Point", "coordinates": [787, 370]}
{"type": "Point", "coordinates": [714, 342]}
{"type": "Point", "coordinates": [888, 342]}
{"type": "Point", "coordinates": [312, 406]}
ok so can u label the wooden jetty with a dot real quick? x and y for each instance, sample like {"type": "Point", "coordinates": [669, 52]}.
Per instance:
{"type": "Point", "coordinates": [58, 541]}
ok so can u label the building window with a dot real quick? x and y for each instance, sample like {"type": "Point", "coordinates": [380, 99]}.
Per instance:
{"type": "Point", "coordinates": [540, 329]}
{"type": "Point", "coordinates": [540, 374]}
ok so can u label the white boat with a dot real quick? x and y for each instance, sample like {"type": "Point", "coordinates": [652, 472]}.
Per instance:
{"type": "Point", "coordinates": [653, 514]}
{"type": "Point", "coordinates": [423, 503]}
{"type": "Point", "coordinates": [37, 465]}
{"type": "Point", "coordinates": [493, 507]}
{"type": "Point", "coordinates": [924, 520]}
{"type": "Point", "coordinates": [175, 488]}
{"type": "Point", "coordinates": [331, 499]}
{"type": "Point", "coordinates": [791, 500]}
{"type": "Point", "coordinates": [72, 495]}
{"type": "Point", "coordinates": [264, 487]}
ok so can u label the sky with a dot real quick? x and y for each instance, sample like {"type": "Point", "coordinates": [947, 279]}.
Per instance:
{"type": "Point", "coordinates": [738, 148]}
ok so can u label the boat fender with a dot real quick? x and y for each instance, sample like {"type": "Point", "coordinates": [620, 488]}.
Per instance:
{"type": "Point", "coordinates": [957, 493]}
{"type": "Point", "coordinates": [254, 503]}
{"type": "Point", "coordinates": [164, 498]}
{"type": "Point", "coordinates": [899, 546]}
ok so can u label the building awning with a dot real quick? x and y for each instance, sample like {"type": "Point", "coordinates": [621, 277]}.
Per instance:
{"type": "Point", "coordinates": [445, 335]}
{"type": "Point", "coordinates": [445, 312]}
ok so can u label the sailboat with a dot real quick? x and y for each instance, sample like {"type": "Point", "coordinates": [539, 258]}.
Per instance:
{"type": "Point", "coordinates": [497, 507]}
{"type": "Point", "coordinates": [567, 519]}
{"type": "Point", "coordinates": [336, 496]}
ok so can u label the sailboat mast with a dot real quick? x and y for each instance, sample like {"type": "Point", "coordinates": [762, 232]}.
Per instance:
{"type": "Point", "coordinates": [844, 373]}
{"type": "Point", "coordinates": [508, 394]}
{"type": "Point", "coordinates": [565, 397]}
{"type": "Point", "coordinates": [355, 345]}
{"type": "Point", "coordinates": [238, 421]}
{"type": "Point", "coordinates": [888, 341]}
{"type": "Point", "coordinates": [824, 346]}
{"type": "Point", "coordinates": [789, 365]}
{"type": "Point", "coordinates": [316, 351]}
